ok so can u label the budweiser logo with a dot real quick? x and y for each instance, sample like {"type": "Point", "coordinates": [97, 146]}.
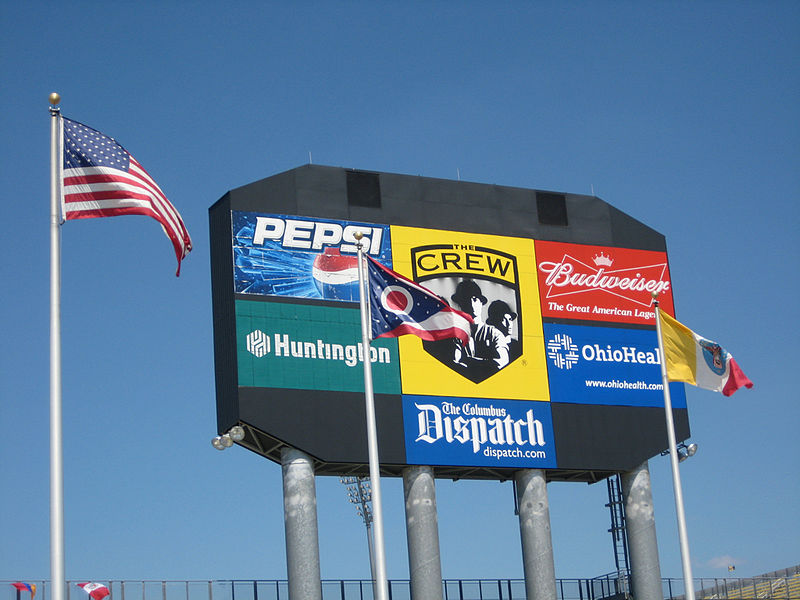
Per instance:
{"type": "Point", "coordinates": [572, 276]}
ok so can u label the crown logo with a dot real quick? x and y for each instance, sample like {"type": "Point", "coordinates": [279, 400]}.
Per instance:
{"type": "Point", "coordinates": [602, 260]}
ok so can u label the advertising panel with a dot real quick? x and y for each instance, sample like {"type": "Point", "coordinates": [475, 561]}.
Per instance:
{"type": "Point", "coordinates": [492, 279]}
{"type": "Point", "coordinates": [478, 432]}
{"type": "Point", "coordinates": [604, 365]}
{"type": "Point", "coordinates": [600, 283]}
{"type": "Point", "coordinates": [309, 347]}
{"type": "Point", "coordinates": [297, 257]}
{"type": "Point", "coordinates": [562, 333]}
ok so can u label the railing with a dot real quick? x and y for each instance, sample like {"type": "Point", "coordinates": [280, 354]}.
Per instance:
{"type": "Point", "coordinates": [611, 586]}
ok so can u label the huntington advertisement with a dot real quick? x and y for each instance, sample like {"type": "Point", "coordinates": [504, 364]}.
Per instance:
{"type": "Point", "coordinates": [309, 347]}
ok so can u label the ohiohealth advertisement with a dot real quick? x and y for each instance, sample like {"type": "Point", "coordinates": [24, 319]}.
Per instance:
{"type": "Point", "coordinates": [606, 365]}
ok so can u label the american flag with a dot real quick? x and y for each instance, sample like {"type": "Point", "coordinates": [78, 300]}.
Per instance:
{"type": "Point", "coordinates": [102, 179]}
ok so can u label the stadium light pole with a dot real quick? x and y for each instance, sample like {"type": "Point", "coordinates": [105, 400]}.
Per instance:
{"type": "Point", "coordinates": [359, 493]}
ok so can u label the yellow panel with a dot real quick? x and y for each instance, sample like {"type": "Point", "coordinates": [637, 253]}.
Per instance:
{"type": "Point", "coordinates": [503, 264]}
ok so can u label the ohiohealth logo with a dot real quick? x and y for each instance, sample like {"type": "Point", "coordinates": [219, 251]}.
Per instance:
{"type": "Point", "coordinates": [562, 351]}
{"type": "Point", "coordinates": [565, 354]}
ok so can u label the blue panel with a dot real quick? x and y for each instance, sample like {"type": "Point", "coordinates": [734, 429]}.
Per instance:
{"type": "Point", "coordinates": [606, 365]}
{"type": "Point", "coordinates": [299, 257]}
{"type": "Point", "coordinates": [478, 432]}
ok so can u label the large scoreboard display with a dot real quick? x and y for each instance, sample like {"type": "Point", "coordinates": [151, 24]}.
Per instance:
{"type": "Point", "coordinates": [562, 370]}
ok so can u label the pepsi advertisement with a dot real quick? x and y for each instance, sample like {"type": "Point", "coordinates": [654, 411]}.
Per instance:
{"type": "Point", "coordinates": [606, 365]}
{"type": "Point", "coordinates": [296, 257]}
{"type": "Point", "coordinates": [478, 432]}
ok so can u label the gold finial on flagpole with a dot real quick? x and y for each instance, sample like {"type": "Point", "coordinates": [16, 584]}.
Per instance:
{"type": "Point", "coordinates": [359, 235]}
{"type": "Point", "coordinates": [55, 98]}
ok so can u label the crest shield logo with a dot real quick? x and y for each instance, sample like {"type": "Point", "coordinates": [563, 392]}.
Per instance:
{"type": "Point", "coordinates": [484, 283]}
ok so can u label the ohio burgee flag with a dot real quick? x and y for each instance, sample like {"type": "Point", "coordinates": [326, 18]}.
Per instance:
{"type": "Point", "coordinates": [398, 306]}
{"type": "Point", "coordinates": [693, 359]}
{"type": "Point", "coordinates": [102, 179]}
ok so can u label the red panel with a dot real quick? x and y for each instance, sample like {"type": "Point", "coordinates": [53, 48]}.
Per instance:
{"type": "Point", "coordinates": [600, 283]}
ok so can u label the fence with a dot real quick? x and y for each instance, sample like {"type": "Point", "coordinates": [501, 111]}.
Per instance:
{"type": "Point", "coordinates": [776, 586]}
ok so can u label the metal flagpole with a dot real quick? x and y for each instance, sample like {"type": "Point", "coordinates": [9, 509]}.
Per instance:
{"type": "Point", "coordinates": [56, 452]}
{"type": "Point", "coordinates": [673, 458]}
{"type": "Point", "coordinates": [372, 432]}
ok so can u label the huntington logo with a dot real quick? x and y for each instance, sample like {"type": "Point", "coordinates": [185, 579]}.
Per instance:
{"type": "Point", "coordinates": [260, 344]}
{"type": "Point", "coordinates": [483, 283]}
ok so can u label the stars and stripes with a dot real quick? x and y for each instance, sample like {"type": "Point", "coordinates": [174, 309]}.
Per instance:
{"type": "Point", "coordinates": [102, 179]}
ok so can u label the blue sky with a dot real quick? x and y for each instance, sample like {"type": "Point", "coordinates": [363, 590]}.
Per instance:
{"type": "Point", "coordinates": [681, 114]}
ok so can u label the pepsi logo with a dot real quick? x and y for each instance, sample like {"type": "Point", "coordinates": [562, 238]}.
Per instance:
{"type": "Point", "coordinates": [336, 275]}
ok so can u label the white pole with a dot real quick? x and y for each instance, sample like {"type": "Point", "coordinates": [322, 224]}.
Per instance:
{"type": "Point", "coordinates": [56, 453]}
{"type": "Point", "coordinates": [372, 433]}
{"type": "Point", "coordinates": [683, 537]}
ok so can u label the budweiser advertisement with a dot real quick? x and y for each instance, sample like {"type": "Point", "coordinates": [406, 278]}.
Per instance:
{"type": "Point", "coordinates": [600, 283]}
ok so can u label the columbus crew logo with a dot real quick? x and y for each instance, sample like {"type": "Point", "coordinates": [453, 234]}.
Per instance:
{"type": "Point", "coordinates": [483, 283]}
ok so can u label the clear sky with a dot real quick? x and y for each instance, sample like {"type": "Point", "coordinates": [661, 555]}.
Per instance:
{"type": "Point", "coordinates": [681, 114]}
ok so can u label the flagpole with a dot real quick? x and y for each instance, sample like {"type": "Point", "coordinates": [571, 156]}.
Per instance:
{"type": "Point", "coordinates": [56, 445]}
{"type": "Point", "coordinates": [372, 432]}
{"type": "Point", "coordinates": [683, 537]}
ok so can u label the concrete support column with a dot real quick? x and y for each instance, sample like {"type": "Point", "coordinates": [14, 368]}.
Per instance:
{"type": "Point", "coordinates": [640, 524]}
{"type": "Point", "coordinates": [422, 530]}
{"type": "Point", "coordinates": [534, 528]}
{"type": "Point", "coordinates": [300, 521]}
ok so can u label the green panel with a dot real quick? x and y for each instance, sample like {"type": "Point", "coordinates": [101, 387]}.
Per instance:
{"type": "Point", "coordinates": [306, 347]}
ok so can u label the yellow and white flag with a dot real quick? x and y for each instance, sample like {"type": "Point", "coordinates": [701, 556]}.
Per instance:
{"type": "Point", "coordinates": [693, 359]}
